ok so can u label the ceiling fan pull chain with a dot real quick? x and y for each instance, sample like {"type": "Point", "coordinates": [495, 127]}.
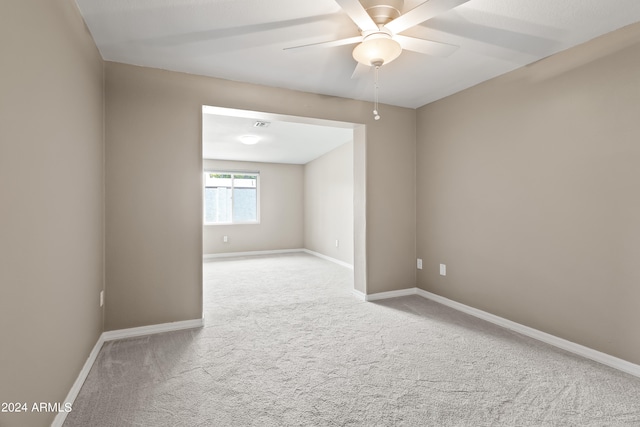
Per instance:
{"type": "Point", "coordinates": [376, 115]}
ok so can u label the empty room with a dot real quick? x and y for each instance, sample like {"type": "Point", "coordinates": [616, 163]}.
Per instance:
{"type": "Point", "coordinates": [467, 258]}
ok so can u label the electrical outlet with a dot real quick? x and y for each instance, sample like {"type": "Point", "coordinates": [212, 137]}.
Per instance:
{"type": "Point", "coordinates": [225, 239]}
{"type": "Point", "coordinates": [101, 298]}
{"type": "Point", "coordinates": [337, 243]}
{"type": "Point", "coordinates": [443, 270]}
{"type": "Point", "coordinates": [419, 264]}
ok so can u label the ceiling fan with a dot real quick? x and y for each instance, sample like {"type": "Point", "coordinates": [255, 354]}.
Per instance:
{"type": "Point", "coordinates": [380, 23]}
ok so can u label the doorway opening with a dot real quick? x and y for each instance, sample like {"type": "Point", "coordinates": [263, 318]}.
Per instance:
{"type": "Point", "coordinates": [309, 193]}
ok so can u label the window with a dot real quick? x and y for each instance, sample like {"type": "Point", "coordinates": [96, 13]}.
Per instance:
{"type": "Point", "coordinates": [231, 198]}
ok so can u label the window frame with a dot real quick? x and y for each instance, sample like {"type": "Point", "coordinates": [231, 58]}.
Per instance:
{"type": "Point", "coordinates": [233, 173]}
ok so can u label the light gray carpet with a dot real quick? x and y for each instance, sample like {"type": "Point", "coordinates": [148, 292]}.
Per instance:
{"type": "Point", "coordinates": [286, 344]}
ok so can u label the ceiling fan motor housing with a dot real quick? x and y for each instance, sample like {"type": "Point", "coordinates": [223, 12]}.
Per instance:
{"type": "Point", "coordinates": [383, 11]}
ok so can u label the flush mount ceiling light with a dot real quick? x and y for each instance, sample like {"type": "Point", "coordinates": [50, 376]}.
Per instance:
{"type": "Point", "coordinates": [249, 139]}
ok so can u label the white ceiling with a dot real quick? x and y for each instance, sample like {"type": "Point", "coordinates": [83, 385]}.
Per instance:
{"type": "Point", "coordinates": [244, 40]}
{"type": "Point", "coordinates": [284, 140]}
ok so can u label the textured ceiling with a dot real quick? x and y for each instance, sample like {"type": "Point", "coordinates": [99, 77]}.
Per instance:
{"type": "Point", "coordinates": [284, 140]}
{"type": "Point", "coordinates": [244, 40]}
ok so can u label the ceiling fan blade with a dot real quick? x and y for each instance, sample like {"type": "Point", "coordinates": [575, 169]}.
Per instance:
{"type": "Point", "coordinates": [428, 47]}
{"type": "Point", "coordinates": [360, 71]}
{"type": "Point", "coordinates": [419, 14]}
{"type": "Point", "coordinates": [333, 43]}
{"type": "Point", "coordinates": [533, 41]}
{"type": "Point", "coordinates": [358, 14]}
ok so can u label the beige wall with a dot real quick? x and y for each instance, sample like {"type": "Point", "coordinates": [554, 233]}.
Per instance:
{"type": "Point", "coordinates": [281, 218]}
{"type": "Point", "coordinates": [527, 189]}
{"type": "Point", "coordinates": [328, 204]}
{"type": "Point", "coordinates": [153, 186]}
{"type": "Point", "coordinates": [51, 202]}
{"type": "Point", "coordinates": [359, 209]}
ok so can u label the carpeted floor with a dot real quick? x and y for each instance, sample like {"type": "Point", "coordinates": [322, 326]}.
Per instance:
{"type": "Point", "coordinates": [287, 344]}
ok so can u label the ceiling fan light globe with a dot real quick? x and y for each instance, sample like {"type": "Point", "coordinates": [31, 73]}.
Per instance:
{"type": "Point", "coordinates": [373, 50]}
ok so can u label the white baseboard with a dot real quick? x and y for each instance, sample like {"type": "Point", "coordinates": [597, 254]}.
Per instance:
{"type": "Point", "coordinates": [360, 295]}
{"type": "Point", "coordinates": [251, 253]}
{"type": "Point", "coordinates": [328, 258]}
{"type": "Point", "coordinates": [275, 252]}
{"type": "Point", "coordinates": [77, 385]}
{"type": "Point", "coordinates": [390, 294]}
{"type": "Point", "coordinates": [589, 353]}
{"type": "Point", "coordinates": [152, 329]}
{"type": "Point", "coordinates": [580, 350]}
{"type": "Point", "coordinates": [58, 421]}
